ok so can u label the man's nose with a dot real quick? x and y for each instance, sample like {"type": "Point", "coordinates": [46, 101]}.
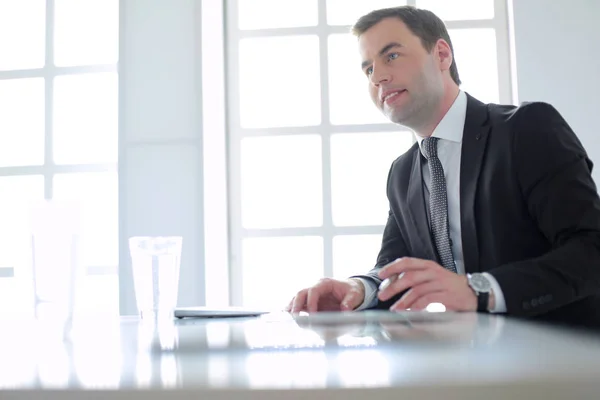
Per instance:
{"type": "Point", "coordinates": [380, 76]}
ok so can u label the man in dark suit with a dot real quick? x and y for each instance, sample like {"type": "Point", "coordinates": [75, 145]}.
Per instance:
{"type": "Point", "coordinates": [492, 210]}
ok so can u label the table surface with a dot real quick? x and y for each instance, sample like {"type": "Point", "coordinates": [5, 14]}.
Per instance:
{"type": "Point", "coordinates": [376, 354]}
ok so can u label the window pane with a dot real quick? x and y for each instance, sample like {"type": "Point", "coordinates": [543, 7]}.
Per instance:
{"type": "Point", "coordinates": [354, 254]}
{"type": "Point", "coordinates": [280, 82]}
{"type": "Point", "coordinates": [349, 99]}
{"type": "Point", "coordinates": [22, 34]}
{"type": "Point", "coordinates": [281, 181]}
{"type": "Point", "coordinates": [16, 297]}
{"type": "Point", "coordinates": [86, 32]}
{"type": "Point", "coordinates": [85, 118]}
{"type": "Point", "coordinates": [274, 269]}
{"type": "Point", "coordinates": [476, 59]}
{"type": "Point", "coordinates": [18, 194]}
{"type": "Point", "coordinates": [459, 9]}
{"type": "Point", "coordinates": [98, 195]}
{"type": "Point", "coordinates": [21, 122]}
{"type": "Point", "coordinates": [360, 163]}
{"type": "Point", "coordinates": [346, 12]}
{"type": "Point", "coordinates": [268, 14]}
{"type": "Point", "coordinates": [20, 189]}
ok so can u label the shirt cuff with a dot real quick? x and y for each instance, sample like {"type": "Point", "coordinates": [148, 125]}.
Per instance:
{"type": "Point", "coordinates": [500, 303]}
{"type": "Point", "coordinates": [370, 294]}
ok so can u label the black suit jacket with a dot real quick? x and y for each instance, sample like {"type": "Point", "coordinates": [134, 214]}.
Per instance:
{"type": "Point", "coordinates": [530, 212]}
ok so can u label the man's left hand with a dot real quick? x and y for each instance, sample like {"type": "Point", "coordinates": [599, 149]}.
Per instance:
{"type": "Point", "coordinates": [428, 282]}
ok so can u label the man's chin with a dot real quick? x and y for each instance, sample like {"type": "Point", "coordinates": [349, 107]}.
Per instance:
{"type": "Point", "coordinates": [397, 118]}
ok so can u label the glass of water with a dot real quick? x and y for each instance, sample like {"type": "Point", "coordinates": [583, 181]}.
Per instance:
{"type": "Point", "coordinates": [56, 261]}
{"type": "Point", "coordinates": [156, 263]}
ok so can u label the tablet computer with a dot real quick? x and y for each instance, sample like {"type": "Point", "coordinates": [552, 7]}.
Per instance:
{"type": "Point", "coordinates": [217, 312]}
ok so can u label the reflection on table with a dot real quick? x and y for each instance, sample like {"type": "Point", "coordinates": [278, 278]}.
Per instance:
{"type": "Point", "coordinates": [281, 351]}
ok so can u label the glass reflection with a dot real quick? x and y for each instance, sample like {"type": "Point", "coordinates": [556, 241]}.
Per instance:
{"type": "Point", "coordinates": [98, 363]}
{"type": "Point", "coordinates": [217, 335]}
{"type": "Point", "coordinates": [294, 369]}
{"type": "Point", "coordinates": [157, 334]}
{"type": "Point", "coordinates": [157, 339]}
{"type": "Point", "coordinates": [356, 341]}
{"type": "Point", "coordinates": [461, 328]}
{"type": "Point", "coordinates": [95, 353]}
{"type": "Point", "coordinates": [143, 369]}
{"type": "Point", "coordinates": [168, 371]}
{"type": "Point", "coordinates": [218, 370]}
{"type": "Point", "coordinates": [53, 367]}
{"type": "Point", "coordinates": [280, 335]}
{"type": "Point", "coordinates": [364, 368]}
{"type": "Point", "coordinates": [168, 337]}
{"type": "Point", "coordinates": [370, 328]}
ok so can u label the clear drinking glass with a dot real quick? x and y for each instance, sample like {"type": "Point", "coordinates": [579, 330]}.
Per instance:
{"type": "Point", "coordinates": [156, 262]}
{"type": "Point", "coordinates": [56, 261]}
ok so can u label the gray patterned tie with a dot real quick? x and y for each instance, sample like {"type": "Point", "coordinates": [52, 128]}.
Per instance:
{"type": "Point", "coordinates": [438, 204]}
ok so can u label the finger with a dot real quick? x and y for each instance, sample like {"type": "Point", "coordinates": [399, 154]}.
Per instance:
{"type": "Point", "coordinates": [388, 266]}
{"type": "Point", "coordinates": [351, 300]}
{"type": "Point", "coordinates": [299, 301]}
{"type": "Point", "coordinates": [409, 299]}
{"type": "Point", "coordinates": [388, 281]}
{"type": "Point", "coordinates": [290, 305]}
{"type": "Point", "coordinates": [403, 265]}
{"type": "Point", "coordinates": [433, 297]}
{"type": "Point", "coordinates": [407, 280]}
{"type": "Point", "coordinates": [314, 295]}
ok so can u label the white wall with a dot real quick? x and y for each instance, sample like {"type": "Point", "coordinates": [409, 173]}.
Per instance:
{"type": "Point", "coordinates": [558, 61]}
{"type": "Point", "coordinates": [160, 163]}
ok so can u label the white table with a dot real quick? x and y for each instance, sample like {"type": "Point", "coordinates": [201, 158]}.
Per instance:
{"type": "Point", "coordinates": [401, 356]}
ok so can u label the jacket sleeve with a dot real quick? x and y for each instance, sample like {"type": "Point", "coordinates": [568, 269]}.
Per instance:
{"type": "Point", "coordinates": [554, 174]}
{"type": "Point", "coordinates": [392, 247]}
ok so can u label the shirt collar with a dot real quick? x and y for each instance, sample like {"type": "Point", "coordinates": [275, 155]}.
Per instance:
{"type": "Point", "coordinates": [452, 125]}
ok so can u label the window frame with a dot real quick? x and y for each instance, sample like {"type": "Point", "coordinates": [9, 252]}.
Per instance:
{"type": "Point", "coordinates": [49, 169]}
{"type": "Point", "coordinates": [235, 132]}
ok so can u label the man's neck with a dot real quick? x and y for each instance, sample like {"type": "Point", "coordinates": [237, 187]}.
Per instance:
{"type": "Point", "coordinates": [450, 95]}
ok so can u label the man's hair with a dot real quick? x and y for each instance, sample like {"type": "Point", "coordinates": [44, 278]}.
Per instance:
{"type": "Point", "coordinates": [422, 23]}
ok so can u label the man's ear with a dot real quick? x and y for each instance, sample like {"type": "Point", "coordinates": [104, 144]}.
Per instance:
{"type": "Point", "coordinates": [443, 54]}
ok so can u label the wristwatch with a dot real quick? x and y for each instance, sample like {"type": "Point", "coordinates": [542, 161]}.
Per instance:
{"type": "Point", "coordinates": [482, 288]}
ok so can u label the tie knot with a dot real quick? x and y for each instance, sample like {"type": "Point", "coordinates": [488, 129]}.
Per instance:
{"type": "Point", "coordinates": [429, 146]}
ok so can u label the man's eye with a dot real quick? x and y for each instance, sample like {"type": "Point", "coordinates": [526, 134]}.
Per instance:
{"type": "Point", "coordinates": [392, 56]}
{"type": "Point", "coordinates": [369, 71]}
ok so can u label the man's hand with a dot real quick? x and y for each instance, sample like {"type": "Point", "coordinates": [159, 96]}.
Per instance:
{"type": "Point", "coordinates": [329, 295]}
{"type": "Point", "coordinates": [428, 282]}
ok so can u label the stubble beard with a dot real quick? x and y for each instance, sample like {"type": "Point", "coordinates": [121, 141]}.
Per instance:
{"type": "Point", "coordinates": [422, 104]}
{"type": "Point", "coordinates": [415, 114]}
{"type": "Point", "coordinates": [418, 112]}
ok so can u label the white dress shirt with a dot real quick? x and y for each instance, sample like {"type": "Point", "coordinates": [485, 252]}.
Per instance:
{"type": "Point", "coordinates": [450, 132]}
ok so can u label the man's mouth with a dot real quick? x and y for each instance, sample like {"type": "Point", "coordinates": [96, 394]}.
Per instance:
{"type": "Point", "coordinates": [392, 96]}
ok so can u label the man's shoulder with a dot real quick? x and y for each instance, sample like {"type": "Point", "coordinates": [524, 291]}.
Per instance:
{"type": "Point", "coordinates": [528, 112]}
{"type": "Point", "coordinates": [532, 124]}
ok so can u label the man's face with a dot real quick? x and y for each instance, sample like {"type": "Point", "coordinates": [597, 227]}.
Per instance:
{"type": "Point", "coordinates": [405, 81]}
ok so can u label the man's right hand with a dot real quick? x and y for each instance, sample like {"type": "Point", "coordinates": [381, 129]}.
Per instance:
{"type": "Point", "coordinates": [329, 295]}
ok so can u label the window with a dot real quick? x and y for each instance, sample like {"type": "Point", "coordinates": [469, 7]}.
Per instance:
{"type": "Point", "coordinates": [308, 152]}
{"type": "Point", "coordinates": [58, 138]}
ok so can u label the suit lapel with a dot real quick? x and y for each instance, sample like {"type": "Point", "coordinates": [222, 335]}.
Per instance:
{"type": "Point", "coordinates": [416, 205]}
{"type": "Point", "coordinates": [474, 142]}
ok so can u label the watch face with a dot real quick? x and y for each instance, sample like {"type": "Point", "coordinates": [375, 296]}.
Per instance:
{"type": "Point", "coordinates": [480, 283]}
